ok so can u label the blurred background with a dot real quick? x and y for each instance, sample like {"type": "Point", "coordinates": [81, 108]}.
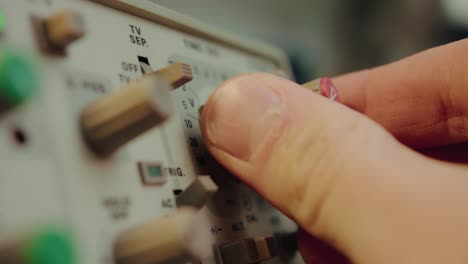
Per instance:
{"type": "Point", "coordinates": [330, 37]}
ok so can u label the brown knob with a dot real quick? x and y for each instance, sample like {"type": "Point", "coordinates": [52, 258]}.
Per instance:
{"type": "Point", "coordinates": [177, 238]}
{"type": "Point", "coordinates": [115, 119]}
{"type": "Point", "coordinates": [63, 28]}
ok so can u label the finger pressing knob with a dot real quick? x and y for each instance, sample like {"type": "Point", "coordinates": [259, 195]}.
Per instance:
{"type": "Point", "coordinates": [115, 119]}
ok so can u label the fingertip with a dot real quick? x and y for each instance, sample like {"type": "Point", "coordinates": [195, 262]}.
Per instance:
{"type": "Point", "coordinates": [241, 113]}
{"type": "Point", "coordinates": [351, 88]}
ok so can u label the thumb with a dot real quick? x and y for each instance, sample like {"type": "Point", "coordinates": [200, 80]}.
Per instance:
{"type": "Point", "coordinates": [340, 176]}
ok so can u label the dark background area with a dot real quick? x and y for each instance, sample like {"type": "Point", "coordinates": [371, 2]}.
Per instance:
{"type": "Point", "coordinates": [330, 37]}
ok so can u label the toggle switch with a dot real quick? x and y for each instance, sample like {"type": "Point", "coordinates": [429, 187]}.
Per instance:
{"type": "Point", "coordinates": [314, 86]}
{"type": "Point", "coordinates": [198, 193]}
{"type": "Point", "coordinates": [287, 244]}
{"type": "Point", "coordinates": [176, 238]}
{"type": "Point", "coordinates": [115, 119]}
{"type": "Point", "coordinates": [47, 246]}
{"type": "Point", "coordinates": [63, 28]}
{"type": "Point", "coordinates": [176, 74]}
{"type": "Point", "coordinates": [246, 251]}
{"type": "Point", "coordinates": [18, 80]}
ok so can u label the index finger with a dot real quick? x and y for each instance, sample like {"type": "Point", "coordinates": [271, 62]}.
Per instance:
{"type": "Point", "coordinates": [422, 100]}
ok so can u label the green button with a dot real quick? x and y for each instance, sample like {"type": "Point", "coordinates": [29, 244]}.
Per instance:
{"type": "Point", "coordinates": [51, 246]}
{"type": "Point", "coordinates": [2, 21]}
{"type": "Point", "coordinates": [18, 78]}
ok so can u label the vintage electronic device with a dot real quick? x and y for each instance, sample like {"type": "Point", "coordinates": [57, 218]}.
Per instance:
{"type": "Point", "coordinates": [101, 156]}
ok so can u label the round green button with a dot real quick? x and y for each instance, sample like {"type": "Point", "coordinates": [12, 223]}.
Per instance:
{"type": "Point", "coordinates": [2, 21]}
{"type": "Point", "coordinates": [52, 246]}
{"type": "Point", "coordinates": [18, 78]}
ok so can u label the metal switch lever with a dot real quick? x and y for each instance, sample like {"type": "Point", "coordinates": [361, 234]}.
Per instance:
{"type": "Point", "coordinates": [198, 193]}
{"type": "Point", "coordinates": [176, 74]}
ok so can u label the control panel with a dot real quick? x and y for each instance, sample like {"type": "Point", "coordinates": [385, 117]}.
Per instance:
{"type": "Point", "coordinates": [101, 155]}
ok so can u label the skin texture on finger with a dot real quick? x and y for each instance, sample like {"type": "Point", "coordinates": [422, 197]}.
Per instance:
{"type": "Point", "coordinates": [421, 100]}
{"type": "Point", "coordinates": [340, 176]}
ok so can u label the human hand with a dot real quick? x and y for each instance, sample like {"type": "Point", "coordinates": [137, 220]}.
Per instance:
{"type": "Point", "coordinates": [348, 173]}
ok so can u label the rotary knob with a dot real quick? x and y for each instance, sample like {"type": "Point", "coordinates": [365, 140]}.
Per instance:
{"type": "Point", "coordinates": [177, 238]}
{"type": "Point", "coordinates": [63, 28]}
{"type": "Point", "coordinates": [117, 118]}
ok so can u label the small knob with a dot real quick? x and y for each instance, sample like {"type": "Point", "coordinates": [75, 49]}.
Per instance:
{"type": "Point", "coordinates": [250, 250]}
{"type": "Point", "coordinates": [313, 85]}
{"type": "Point", "coordinates": [173, 239]}
{"type": "Point", "coordinates": [198, 192]}
{"type": "Point", "coordinates": [286, 244]}
{"type": "Point", "coordinates": [63, 28]}
{"type": "Point", "coordinates": [18, 80]}
{"type": "Point", "coordinates": [48, 246]}
{"type": "Point", "coordinates": [116, 118]}
{"type": "Point", "coordinates": [176, 74]}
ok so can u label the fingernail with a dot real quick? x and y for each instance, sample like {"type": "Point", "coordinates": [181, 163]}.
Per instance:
{"type": "Point", "coordinates": [241, 114]}
{"type": "Point", "coordinates": [325, 87]}
{"type": "Point", "coordinates": [328, 89]}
